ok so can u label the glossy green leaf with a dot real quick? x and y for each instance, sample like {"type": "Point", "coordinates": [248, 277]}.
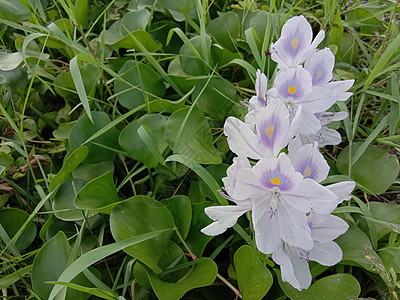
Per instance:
{"type": "Point", "coordinates": [130, 41]}
{"type": "Point", "coordinates": [196, 240]}
{"type": "Point", "coordinates": [135, 147]}
{"type": "Point", "coordinates": [355, 246]}
{"type": "Point", "coordinates": [183, 6]}
{"type": "Point", "coordinates": [391, 258]}
{"type": "Point", "coordinates": [384, 212]}
{"type": "Point", "coordinates": [84, 128]}
{"type": "Point", "coordinates": [13, 10]}
{"type": "Point", "coordinates": [71, 163]}
{"type": "Point", "coordinates": [136, 19]}
{"type": "Point", "coordinates": [374, 170]}
{"type": "Point", "coordinates": [196, 139]}
{"type": "Point", "coordinates": [333, 287]}
{"type": "Point", "coordinates": [63, 204]}
{"type": "Point", "coordinates": [82, 12]}
{"type": "Point", "coordinates": [50, 262]}
{"type": "Point", "coordinates": [191, 63]}
{"type": "Point", "coordinates": [217, 98]}
{"type": "Point", "coordinates": [145, 85]}
{"type": "Point", "coordinates": [203, 273]}
{"type": "Point", "coordinates": [98, 194]}
{"type": "Point", "coordinates": [253, 277]}
{"type": "Point", "coordinates": [139, 215]}
{"type": "Point", "coordinates": [87, 172]}
{"type": "Point", "coordinates": [12, 219]}
{"type": "Point", "coordinates": [181, 209]}
{"type": "Point", "coordinates": [225, 29]}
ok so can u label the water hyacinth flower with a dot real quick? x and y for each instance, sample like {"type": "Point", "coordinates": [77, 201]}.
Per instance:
{"type": "Point", "coordinates": [294, 261]}
{"type": "Point", "coordinates": [260, 99]}
{"type": "Point", "coordinates": [271, 131]}
{"type": "Point", "coordinates": [280, 199]}
{"type": "Point", "coordinates": [225, 217]}
{"type": "Point", "coordinates": [295, 44]}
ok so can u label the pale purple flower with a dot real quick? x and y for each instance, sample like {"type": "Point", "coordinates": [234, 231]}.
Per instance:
{"type": "Point", "coordinates": [260, 99]}
{"type": "Point", "coordinates": [295, 44]}
{"type": "Point", "coordinates": [268, 132]}
{"type": "Point", "coordinates": [294, 260]}
{"type": "Point", "coordinates": [280, 199]}
{"type": "Point", "coordinates": [225, 217]}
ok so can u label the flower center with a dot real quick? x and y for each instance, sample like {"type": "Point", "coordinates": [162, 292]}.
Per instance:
{"type": "Point", "coordinates": [295, 42]}
{"type": "Point", "coordinates": [269, 131]}
{"type": "Point", "coordinates": [307, 172]}
{"type": "Point", "coordinates": [292, 89]}
{"type": "Point", "coordinates": [319, 74]}
{"type": "Point", "coordinates": [275, 181]}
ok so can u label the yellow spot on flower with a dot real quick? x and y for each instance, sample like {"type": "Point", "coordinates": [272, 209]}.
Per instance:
{"type": "Point", "coordinates": [319, 74]}
{"type": "Point", "coordinates": [269, 131]}
{"type": "Point", "coordinates": [307, 172]}
{"type": "Point", "coordinates": [292, 89]}
{"type": "Point", "coordinates": [295, 42]}
{"type": "Point", "coordinates": [275, 181]}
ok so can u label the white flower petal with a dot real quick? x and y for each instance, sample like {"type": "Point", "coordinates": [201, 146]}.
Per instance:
{"type": "Point", "coordinates": [325, 228]}
{"type": "Point", "coordinates": [287, 272]}
{"type": "Point", "coordinates": [342, 190]}
{"type": "Point", "coordinates": [214, 229]}
{"type": "Point", "coordinates": [247, 184]}
{"type": "Point", "coordinates": [232, 173]}
{"type": "Point", "coordinates": [309, 124]}
{"type": "Point", "coordinates": [320, 65]}
{"type": "Point", "coordinates": [300, 267]}
{"type": "Point", "coordinates": [326, 254]}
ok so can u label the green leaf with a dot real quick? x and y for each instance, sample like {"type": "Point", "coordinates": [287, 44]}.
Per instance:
{"type": "Point", "coordinates": [9, 61]}
{"type": "Point", "coordinates": [63, 204]}
{"type": "Point", "coordinates": [375, 169]}
{"type": "Point", "coordinates": [384, 212]}
{"type": "Point", "coordinates": [335, 37]}
{"type": "Point", "coordinates": [355, 245]}
{"type": "Point", "coordinates": [82, 13]}
{"type": "Point", "coordinates": [196, 240]}
{"type": "Point", "coordinates": [391, 258]}
{"type": "Point", "coordinates": [50, 262]}
{"type": "Point", "coordinates": [217, 98]}
{"type": "Point", "coordinates": [193, 62]}
{"type": "Point", "coordinates": [196, 139]}
{"type": "Point", "coordinates": [183, 6]}
{"type": "Point", "coordinates": [181, 209]}
{"type": "Point", "coordinates": [87, 172]}
{"type": "Point", "coordinates": [84, 129]}
{"type": "Point", "coordinates": [134, 20]}
{"type": "Point", "coordinates": [139, 215]}
{"type": "Point", "coordinates": [97, 254]}
{"type": "Point", "coordinates": [92, 291]}
{"type": "Point", "coordinates": [225, 29]}
{"type": "Point", "coordinates": [131, 40]}
{"type": "Point", "coordinates": [11, 220]}
{"type": "Point", "coordinates": [99, 194]}
{"type": "Point", "coordinates": [13, 10]}
{"type": "Point", "coordinates": [7, 280]}
{"type": "Point", "coordinates": [203, 273]}
{"type": "Point", "coordinates": [80, 88]}
{"type": "Point", "coordinates": [134, 146]}
{"type": "Point", "coordinates": [71, 163]}
{"type": "Point", "coordinates": [333, 287]}
{"type": "Point", "coordinates": [253, 277]}
{"type": "Point", "coordinates": [142, 85]}
{"type": "Point", "coordinates": [349, 49]}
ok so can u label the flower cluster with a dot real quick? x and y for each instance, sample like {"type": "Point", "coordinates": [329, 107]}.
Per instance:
{"type": "Point", "coordinates": [290, 209]}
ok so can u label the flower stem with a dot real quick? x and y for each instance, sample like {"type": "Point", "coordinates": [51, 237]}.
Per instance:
{"type": "Point", "coordinates": [235, 290]}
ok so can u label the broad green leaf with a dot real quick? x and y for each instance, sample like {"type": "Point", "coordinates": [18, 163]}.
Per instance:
{"type": "Point", "coordinates": [7, 280]}
{"type": "Point", "coordinates": [191, 63]}
{"type": "Point", "coordinates": [333, 287]}
{"type": "Point", "coordinates": [97, 254]}
{"type": "Point", "coordinates": [71, 163]}
{"type": "Point", "coordinates": [159, 30]}
{"type": "Point", "coordinates": [384, 212]}
{"type": "Point", "coordinates": [145, 85]}
{"type": "Point", "coordinates": [87, 172]}
{"type": "Point", "coordinates": [355, 246]}
{"type": "Point", "coordinates": [136, 19]}
{"type": "Point", "coordinates": [130, 41]}
{"type": "Point", "coordinates": [14, 10]}
{"type": "Point", "coordinates": [183, 6]}
{"type": "Point", "coordinates": [223, 56]}
{"type": "Point", "coordinates": [63, 204]}
{"type": "Point", "coordinates": [50, 262]}
{"type": "Point", "coordinates": [225, 29]}
{"type": "Point", "coordinates": [134, 146]}
{"type": "Point", "coordinates": [139, 215]}
{"type": "Point", "coordinates": [368, 19]}
{"type": "Point", "coordinates": [374, 170]}
{"type": "Point", "coordinates": [181, 209]}
{"type": "Point", "coordinates": [12, 219]}
{"type": "Point", "coordinates": [82, 13]}
{"type": "Point", "coordinates": [98, 194]}
{"type": "Point", "coordinates": [349, 49]}
{"type": "Point", "coordinates": [390, 258]}
{"type": "Point", "coordinates": [217, 172]}
{"type": "Point", "coordinates": [335, 37]}
{"type": "Point", "coordinates": [84, 129]}
{"type": "Point", "coordinates": [196, 139]}
{"type": "Point", "coordinates": [203, 273]}
{"type": "Point", "coordinates": [174, 263]}
{"type": "Point", "coordinates": [92, 291]}
{"type": "Point", "coordinates": [253, 277]}
{"type": "Point", "coordinates": [16, 80]}
{"type": "Point", "coordinates": [9, 61]}
{"type": "Point", "coordinates": [197, 240]}
{"type": "Point", "coordinates": [217, 98]}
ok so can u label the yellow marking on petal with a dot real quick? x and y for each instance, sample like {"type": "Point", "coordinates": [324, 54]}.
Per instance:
{"type": "Point", "coordinates": [319, 74]}
{"type": "Point", "coordinates": [275, 181]}
{"type": "Point", "coordinates": [292, 90]}
{"type": "Point", "coordinates": [307, 172]}
{"type": "Point", "coordinates": [269, 131]}
{"type": "Point", "coordinates": [295, 42]}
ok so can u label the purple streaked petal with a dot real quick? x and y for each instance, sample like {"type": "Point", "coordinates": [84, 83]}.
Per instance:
{"type": "Point", "coordinates": [310, 163]}
{"type": "Point", "coordinates": [265, 227]}
{"type": "Point", "coordinates": [326, 254]}
{"type": "Point", "coordinates": [320, 65]}
{"type": "Point", "coordinates": [326, 228]}
{"type": "Point", "coordinates": [293, 226]}
{"type": "Point", "coordinates": [277, 173]}
{"type": "Point", "coordinates": [293, 85]}
{"type": "Point", "coordinates": [325, 136]}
